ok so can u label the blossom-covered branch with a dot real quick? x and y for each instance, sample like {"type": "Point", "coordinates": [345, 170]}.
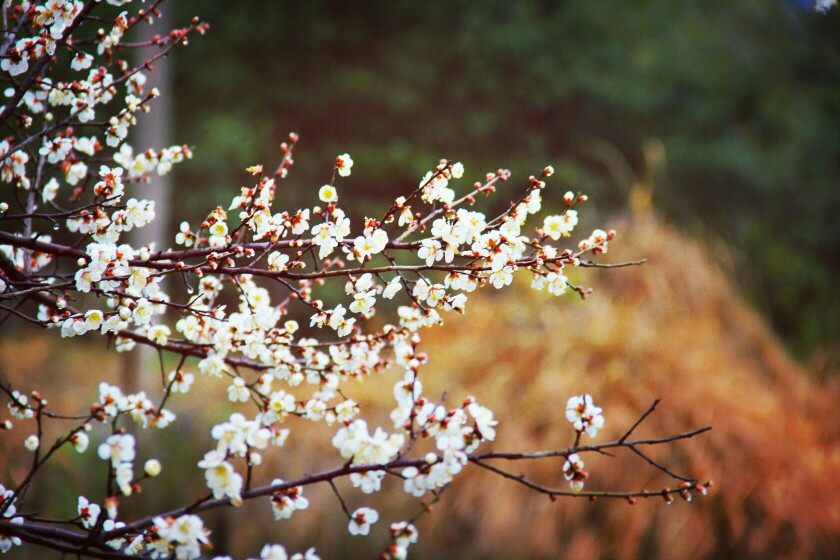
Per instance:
{"type": "Point", "coordinates": [275, 302]}
{"type": "Point", "coordinates": [429, 473]}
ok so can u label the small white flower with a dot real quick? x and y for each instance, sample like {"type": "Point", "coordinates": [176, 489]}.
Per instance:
{"type": "Point", "coordinates": [81, 61]}
{"type": "Point", "coordinates": [278, 261]}
{"type": "Point", "coordinates": [343, 164]}
{"type": "Point", "coordinates": [221, 478]}
{"type": "Point", "coordinates": [80, 441]}
{"type": "Point", "coordinates": [392, 287]}
{"type": "Point", "coordinates": [483, 420]}
{"type": "Point", "coordinates": [31, 443]}
{"type": "Point", "coordinates": [361, 521]}
{"type": "Point", "coordinates": [124, 475]}
{"type": "Point", "coordinates": [285, 502]}
{"type": "Point", "coordinates": [118, 448]}
{"type": "Point", "coordinates": [584, 415]}
{"type": "Point", "coordinates": [88, 512]}
{"type": "Point", "coordinates": [238, 391]}
{"type": "Point", "coordinates": [369, 482]}
{"type": "Point", "coordinates": [556, 227]}
{"type": "Point", "coordinates": [50, 190]}
{"type": "Point", "coordinates": [328, 193]}
{"type": "Point", "coordinates": [181, 381]}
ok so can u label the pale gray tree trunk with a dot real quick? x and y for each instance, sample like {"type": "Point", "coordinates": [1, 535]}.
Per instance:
{"type": "Point", "coordinates": [141, 369]}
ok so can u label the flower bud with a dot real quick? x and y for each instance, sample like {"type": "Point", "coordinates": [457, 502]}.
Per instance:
{"type": "Point", "coordinates": [31, 443]}
{"type": "Point", "coordinates": [111, 506]}
{"type": "Point", "coordinates": [568, 198]}
{"type": "Point", "coordinates": [152, 467]}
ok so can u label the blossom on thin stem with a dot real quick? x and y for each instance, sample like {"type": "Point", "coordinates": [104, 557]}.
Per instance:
{"type": "Point", "coordinates": [574, 473]}
{"type": "Point", "coordinates": [584, 415]}
{"type": "Point", "coordinates": [361, 520]}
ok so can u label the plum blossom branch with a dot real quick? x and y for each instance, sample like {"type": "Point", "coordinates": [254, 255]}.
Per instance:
{"type": "Point", "coordinates": [27, 529]}
{"type": "Point", "coordinates": [354, 298]}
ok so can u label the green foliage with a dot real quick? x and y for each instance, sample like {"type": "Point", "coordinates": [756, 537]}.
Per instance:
{"type": "Point", "coordinates": [742, 95]}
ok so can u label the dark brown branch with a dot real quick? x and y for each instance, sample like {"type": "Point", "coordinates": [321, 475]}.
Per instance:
{"type": "Point", "coordinates": [641, 419]}
{"type": "Point", "coordinates": [585, 448]}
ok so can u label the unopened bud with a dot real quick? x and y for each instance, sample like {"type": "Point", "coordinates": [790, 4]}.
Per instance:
{"type": "Point", "coordinates": [152, 467]}
{"type": "Point", "coordinates": [31, 443]}
{"type": "Point", "coordinates": [111, 505]}
{"type": "Point", "coordinates": [568, 198]}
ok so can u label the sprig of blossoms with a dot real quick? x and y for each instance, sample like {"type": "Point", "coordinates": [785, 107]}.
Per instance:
{"type": "Point", "coordinates": [574, 473]}
{"type": "Point", "coordinates": [361, 520]}
{"type": "Point", "coordinates": [584, 415]}
{"type": "Point", "coordinates": [285, 502]}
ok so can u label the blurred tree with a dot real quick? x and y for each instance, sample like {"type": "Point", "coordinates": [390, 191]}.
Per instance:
{"type": "Point", "coordinates": [742, 95]}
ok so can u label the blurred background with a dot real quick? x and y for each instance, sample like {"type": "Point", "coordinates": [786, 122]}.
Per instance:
{"type": "Point", "coordinates": [707, 134]}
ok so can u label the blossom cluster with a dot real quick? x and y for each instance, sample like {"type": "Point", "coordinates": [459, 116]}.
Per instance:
{"type": "Point", "coordinates": [281, 301]}
{"type": "Point", "coordinates": [185, 535]}
{"type": "Point", "coordinates": [7, 515]}
{"type": "Point", "coordinates": [584, 415]}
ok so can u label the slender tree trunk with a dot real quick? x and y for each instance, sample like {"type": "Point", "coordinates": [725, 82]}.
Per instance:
{"type": "Point", "coordinates": [140, 368]}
